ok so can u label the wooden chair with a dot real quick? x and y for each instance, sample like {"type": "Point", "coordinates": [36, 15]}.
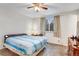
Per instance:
{"type": "Point", "coordinates": [73, 50]}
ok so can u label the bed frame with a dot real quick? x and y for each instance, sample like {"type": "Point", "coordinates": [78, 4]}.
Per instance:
{"type": "Point", "coordinates": [12, 35]}
{"type": "Point", "coordinates": [13, 50]}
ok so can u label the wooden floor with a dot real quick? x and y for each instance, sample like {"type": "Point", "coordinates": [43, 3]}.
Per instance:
{"type": "Point", "coordinates": [50, 50]}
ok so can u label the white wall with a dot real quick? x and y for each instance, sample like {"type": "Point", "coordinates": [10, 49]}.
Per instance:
{"type": "Point", "coordinates": [68, 27]}
{"type": "Point", "coordinates": [11, 22]}
{"type": "Point", "coordinates": [33, 26]}
{"type": "Point", "coordinates": [78, 24]}
{"type": "Point", "coordinates": [36, 25]}
{"type": "Point", "coordinates": [29, 26]}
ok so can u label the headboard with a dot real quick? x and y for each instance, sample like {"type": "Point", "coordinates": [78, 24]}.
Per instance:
{"type": "Point", "coordinates": [12, 35]}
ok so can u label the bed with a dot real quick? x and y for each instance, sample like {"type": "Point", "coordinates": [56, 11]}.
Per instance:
{"type": "Point", "coordinates": [23, 44]}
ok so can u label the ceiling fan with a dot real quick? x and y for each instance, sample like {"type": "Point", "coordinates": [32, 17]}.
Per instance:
{"type": "Point", "coordinates": [38, 6]}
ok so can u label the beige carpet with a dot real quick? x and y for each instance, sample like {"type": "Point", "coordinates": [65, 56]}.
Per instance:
{"type": "Point", "coordinates": [50, 50]}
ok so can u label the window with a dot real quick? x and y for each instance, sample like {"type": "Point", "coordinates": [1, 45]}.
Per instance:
{"type": "Point", "coordinates": [49, 23]}
{"type": "Point", "coordinates": [49, 27]}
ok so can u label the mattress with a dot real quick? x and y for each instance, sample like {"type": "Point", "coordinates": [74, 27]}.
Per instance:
{"type": "Point", "coordinates": [26, 45]}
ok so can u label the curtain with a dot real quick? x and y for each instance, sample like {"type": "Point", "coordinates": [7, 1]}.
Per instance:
{"type": "Point", "coordinates": [57, 27]}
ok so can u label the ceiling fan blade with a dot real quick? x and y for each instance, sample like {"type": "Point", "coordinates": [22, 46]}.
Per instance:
{"type": "Point", "coordinates": [44, 8]}
{"type": "Point", "coordinates": [30, 7]}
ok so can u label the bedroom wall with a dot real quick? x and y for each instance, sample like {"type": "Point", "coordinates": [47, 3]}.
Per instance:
{"type": "Point", "coordinates": [36, 25]}
{"type": "Point", "coordinates": [33, 26]}
{"type": "Point", "coordinates": [78, 24]}
{"type": "Point", "coordinates": [68, 27]}
{"type": "Point", "coordinates": [11, 22]}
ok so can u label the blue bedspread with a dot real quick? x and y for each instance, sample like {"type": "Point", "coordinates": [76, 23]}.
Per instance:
{"type": "Point", "coordinates": [26, 45]}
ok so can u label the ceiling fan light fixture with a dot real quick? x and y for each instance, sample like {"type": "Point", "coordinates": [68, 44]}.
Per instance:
{"type": "Point", "coordinates": [37, 9]}
{"type": "Point", "coordinates": [38, 6]}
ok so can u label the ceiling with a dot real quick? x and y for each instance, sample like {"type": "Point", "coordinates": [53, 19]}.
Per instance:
{"type": "Point", "coordinates": [53, 9]}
